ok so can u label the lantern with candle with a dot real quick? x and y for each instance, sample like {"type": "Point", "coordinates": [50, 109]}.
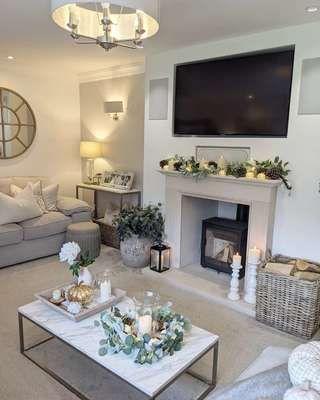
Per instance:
{"type": "Point", "coordinates": [103, 282]}
{"type": "Point", "coordinates": [146, 306]}
{"type": "Point", "coordinates": [160, 258]}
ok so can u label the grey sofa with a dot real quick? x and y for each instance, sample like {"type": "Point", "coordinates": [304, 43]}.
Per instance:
{"type": "Point", "coordinates": [42, 236]}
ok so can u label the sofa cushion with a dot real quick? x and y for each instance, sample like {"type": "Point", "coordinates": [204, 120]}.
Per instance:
{"type": "Point", "coordinates": [10, 234]}
{"type": "Point", "coordinates": [46, 225]}
{"type": "Point", "coordinates": [5, 185]}
{"type": "Point", "coordinates": [70, 206]}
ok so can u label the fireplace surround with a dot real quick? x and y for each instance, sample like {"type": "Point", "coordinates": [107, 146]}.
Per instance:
{"type": "Point", "coordinates": [189, 201]}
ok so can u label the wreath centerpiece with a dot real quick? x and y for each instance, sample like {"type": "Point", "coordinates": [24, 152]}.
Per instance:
{"type": "Point", "coordinates": [122, 334]}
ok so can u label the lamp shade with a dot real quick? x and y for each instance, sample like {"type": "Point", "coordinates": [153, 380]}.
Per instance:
{"type": "Point", "coordinates": [111, 107]}
{"type": "Point", "coordinates": [90, 149]}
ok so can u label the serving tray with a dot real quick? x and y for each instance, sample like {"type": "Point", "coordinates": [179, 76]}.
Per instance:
{"type": "Point", "coordinates": [87, 311]}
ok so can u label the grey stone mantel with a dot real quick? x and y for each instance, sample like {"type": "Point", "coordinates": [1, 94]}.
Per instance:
{"type": "Point", "coordinates": [260, 195]}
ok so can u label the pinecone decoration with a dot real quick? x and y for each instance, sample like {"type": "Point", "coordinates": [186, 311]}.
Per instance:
{"type": "Point", "coordinates": [213, 164]}
{"type": "Point", "coordinates": [177, 165]}
{"type": "Point", "coordinates": [237, 170]}
{"type": "Point", "coordinates": [163, 163]}
{"type": "Point", "coordinates": [273, 173]}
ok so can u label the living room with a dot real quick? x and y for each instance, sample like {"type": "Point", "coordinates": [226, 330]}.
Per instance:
{"type": "Point", "coordinates": [159, 195]}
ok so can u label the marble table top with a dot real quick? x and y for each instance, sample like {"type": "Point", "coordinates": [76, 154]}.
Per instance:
{"type": "Point", "coordinates": [85, 337]}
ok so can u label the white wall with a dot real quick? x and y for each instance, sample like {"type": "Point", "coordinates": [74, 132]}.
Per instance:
{"type": "Point", "coordinates": [297, 215]}
{"type": "Point", "coordinates": [54, 99]}
{"type": "Point", "coordinates": [123, 140]}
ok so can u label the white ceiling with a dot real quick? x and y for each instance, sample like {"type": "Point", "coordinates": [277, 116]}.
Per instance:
{"type": "Point", "coordinates": [27, 32]}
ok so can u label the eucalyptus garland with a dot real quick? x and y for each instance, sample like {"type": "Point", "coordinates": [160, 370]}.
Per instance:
{"type": "Point", "coordinates": [121, 335]}
{"type": "Point", "coordinates": [269, 169]}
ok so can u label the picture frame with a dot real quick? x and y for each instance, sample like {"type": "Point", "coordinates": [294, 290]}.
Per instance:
{"type": "Point", "coordinates": [118, 179]}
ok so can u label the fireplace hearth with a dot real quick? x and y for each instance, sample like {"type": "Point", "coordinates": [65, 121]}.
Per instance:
{"type": "Point", "coordinates": [222, 238]}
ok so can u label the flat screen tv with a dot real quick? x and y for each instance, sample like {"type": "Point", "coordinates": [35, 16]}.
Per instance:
{"type": "Point", "coordinates": [247, 95]}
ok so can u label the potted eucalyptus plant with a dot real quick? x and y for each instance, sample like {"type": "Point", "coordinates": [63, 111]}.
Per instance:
{"type": "Point", "coordinates": [139, 228]}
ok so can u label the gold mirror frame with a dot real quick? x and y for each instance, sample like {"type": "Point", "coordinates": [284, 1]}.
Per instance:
{"type": "Point", "coordinates": [18, 124]}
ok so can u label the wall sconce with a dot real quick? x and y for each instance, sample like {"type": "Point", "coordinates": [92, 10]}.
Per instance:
{"type": "Point", "coordinates": [113, 107]}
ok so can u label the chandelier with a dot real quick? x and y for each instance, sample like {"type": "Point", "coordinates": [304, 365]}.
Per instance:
{"type": "Point", "coordinates": [123, 23]}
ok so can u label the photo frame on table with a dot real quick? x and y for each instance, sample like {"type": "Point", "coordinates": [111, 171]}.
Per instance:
{"type": "Point", "coordinates": [118, 180]}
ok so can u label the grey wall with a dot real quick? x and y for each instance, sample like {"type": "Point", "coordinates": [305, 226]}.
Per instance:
{"type": "Point", "coordinates": [123, 140]}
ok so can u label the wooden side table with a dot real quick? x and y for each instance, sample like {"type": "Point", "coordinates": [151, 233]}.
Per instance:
{"type": "Point", "coordinates": [109, 235]}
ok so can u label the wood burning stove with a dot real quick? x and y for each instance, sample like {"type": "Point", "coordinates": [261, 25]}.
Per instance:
{"type": "Point", "coordinates": [222, 238]}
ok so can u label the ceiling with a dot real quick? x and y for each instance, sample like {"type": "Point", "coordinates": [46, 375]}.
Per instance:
{"type": "Point", "coordinates": [27, 32]}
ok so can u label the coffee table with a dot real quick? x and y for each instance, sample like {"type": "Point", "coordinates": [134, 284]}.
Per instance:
{"type": "Point", "coordinates": [83, 336]}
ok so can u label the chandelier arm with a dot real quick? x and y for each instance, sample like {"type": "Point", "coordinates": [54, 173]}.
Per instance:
{"type": "Point", "coordinates": [127, 46]}
{"type": "Point", "coordinates": [79, 36]}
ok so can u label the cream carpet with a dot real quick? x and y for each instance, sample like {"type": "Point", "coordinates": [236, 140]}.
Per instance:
{"type": "Point", "coordinates": [241, 337]}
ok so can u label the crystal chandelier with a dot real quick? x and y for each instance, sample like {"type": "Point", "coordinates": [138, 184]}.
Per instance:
{"type": "Point", "coordinates": [124, 23]}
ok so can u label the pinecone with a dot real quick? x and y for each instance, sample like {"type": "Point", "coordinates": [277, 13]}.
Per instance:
{"type": "Point", "coordinates": [237, 170]}
{"type": "Point", "coordinates": [163, 163]}
{"type": "Point", "coordinates": [177, 165]}
{"type": "Point", "coordinates": [212, 164]}
{"type": "Point", "coordinates": [260, 170]}
{"type": "Point", "coordinates": [274, 173]}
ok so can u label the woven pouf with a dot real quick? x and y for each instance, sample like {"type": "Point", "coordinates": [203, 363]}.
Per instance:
{"type": "Point", "coordinates": [88, 237]}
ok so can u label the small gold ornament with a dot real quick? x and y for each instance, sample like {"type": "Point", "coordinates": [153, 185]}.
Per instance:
{"type": "Point", "coordinates": [81, 293]}
{"type": "Point", "coordinates": [261, 176]}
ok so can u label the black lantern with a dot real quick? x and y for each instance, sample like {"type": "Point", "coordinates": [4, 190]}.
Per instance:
{"type": "Point", "coordinates": [160, 258]}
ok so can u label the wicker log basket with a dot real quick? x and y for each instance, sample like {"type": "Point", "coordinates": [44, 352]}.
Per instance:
{"type": "Point", "coordinates": [287, 303]}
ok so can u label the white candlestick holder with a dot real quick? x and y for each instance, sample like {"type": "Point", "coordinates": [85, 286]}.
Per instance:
{"type": "Point", "coordinates": [251, 282]}
{"type": "Point", "coordinates": [234, 284]}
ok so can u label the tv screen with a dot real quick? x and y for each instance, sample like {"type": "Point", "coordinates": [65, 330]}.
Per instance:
{"type": "Point", "coordinates": [246, 95]}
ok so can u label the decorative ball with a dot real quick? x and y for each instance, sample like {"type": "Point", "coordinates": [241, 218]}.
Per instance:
{"type": "Point", "coordinates": [301, 393]}
{"type": "Point", "coordinates": [304, 365]}
{"type": "Point", "coordinates": [80, 294]}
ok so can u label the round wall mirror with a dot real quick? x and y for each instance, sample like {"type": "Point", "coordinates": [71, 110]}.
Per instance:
{"type": "Point", "coordinates": [17, 124]}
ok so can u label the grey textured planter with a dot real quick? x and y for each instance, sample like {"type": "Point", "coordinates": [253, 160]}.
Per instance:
{"type": "Point", "coordinates": [135, 252]}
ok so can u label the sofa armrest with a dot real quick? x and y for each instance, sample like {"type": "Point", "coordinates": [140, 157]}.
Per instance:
{"type": "Point", "coordinates": [70, 206]}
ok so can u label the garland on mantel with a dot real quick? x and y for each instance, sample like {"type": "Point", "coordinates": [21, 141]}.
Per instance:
{"type": "Point", "coordinates": [269, 169]}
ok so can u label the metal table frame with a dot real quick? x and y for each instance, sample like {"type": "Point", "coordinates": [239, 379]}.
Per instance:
{"type": "Point", "coordinates": [104, 189]}
{"type": "Point", "coordinates": [24, 351]}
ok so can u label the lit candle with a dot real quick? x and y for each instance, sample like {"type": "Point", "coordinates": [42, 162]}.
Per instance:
{"type": "Point", "coordinates": [236, 260]}
{"type": "Point", "coordinates": [250, 175]}
{"type": "Point", "coordinates": [105, 290]}
{"type": "Point", "coordinates": [261, 176]}
{"type": "Point", "coordinates": [204, 163]}
{"type": "Point", "coordinates": [166, 168]}
{"type": "Point", "coordinates": [222, 172]}
{"type": "Point", "coordinates": [145, 324]}
{"type": "Point", "coordinates": [254, 255]}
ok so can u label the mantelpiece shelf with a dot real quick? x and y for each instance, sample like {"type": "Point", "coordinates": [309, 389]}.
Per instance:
{"type": "Point", "coordinates": [231, 179]}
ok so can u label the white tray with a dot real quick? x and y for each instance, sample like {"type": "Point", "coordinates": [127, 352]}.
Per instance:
{"type": "Point", "coordinates": [93, 308]}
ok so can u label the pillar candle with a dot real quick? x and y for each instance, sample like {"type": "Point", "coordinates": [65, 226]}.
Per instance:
{"type": "Point", "coordinates": [254, 255]}
{"type": "Point", "coordinates": [250, 175]}
{"type": "Point", "coordinates": [145, 324]}
{"type": "Point", "coordinates": [236, 262]}
{"type": "Point", "coordinates": [222, 172]}
{"type": "Point", "coordinates": [105, 290]}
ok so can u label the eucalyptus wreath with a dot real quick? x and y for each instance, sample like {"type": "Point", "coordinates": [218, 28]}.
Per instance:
{"type": "Point", "coordinates": [121, 335]}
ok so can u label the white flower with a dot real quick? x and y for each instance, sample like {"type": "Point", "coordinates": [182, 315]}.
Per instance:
{"type": "Point", "coordinates": [74, 308]}
{"type": "Point", "coordinates": [69, 252]}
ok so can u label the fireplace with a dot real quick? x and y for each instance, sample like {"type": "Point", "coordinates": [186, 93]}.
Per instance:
{"type": "Point", "coordinates": [222, 238]}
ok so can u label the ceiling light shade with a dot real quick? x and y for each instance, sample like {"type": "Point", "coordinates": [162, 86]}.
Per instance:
{"type": "Point", "coordinates": [90, 150]}
{"type": "Point", "coordinates": [108, 24]}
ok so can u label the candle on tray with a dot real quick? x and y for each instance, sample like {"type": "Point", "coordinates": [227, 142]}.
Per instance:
{"type": "Point", "coordinates": [105, 290]}
{"type": "Point", "coordinates": [56, 294]}
{"type": "Point", "coordinates": [236, 260]}
{"type": "Point", "coordinates": [254, 255]}
{"type": "Point", "coordinates": [145, 324]}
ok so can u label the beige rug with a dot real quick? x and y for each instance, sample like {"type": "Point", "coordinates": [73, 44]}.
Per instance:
{"type": "Point", "coordinates": [241, 337]}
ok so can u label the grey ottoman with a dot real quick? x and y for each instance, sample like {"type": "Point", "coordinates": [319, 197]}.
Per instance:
{"type": "Point", "coordinates": [88, 237]}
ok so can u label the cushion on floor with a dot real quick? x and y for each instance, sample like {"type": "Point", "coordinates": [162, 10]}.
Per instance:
{"type": "Point", "coordinates": [10, 234]}
{"type": "Point", "coordinates": [48, 224]}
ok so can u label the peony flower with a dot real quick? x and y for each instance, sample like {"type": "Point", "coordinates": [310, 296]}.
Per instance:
{"type": "Point", "coordinates": [69, 252]}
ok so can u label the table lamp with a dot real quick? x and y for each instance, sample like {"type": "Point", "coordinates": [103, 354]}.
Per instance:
{"type": "Point", "coordinates": [90, 151]}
